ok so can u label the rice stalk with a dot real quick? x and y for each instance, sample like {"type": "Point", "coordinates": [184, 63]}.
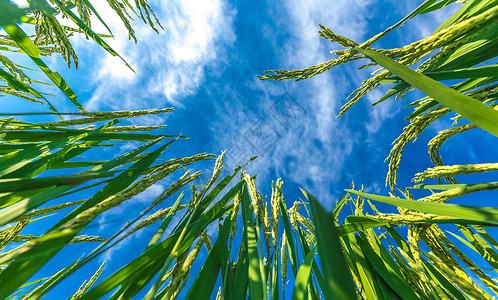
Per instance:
{"type": "Point", "coordinates": [87, 285]}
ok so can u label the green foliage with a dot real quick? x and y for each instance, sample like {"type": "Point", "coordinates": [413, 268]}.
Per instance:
{"type": "Point", "coordinates": [52, 37]}
{"type": "Point", "coordinates": [384, 265]}
{"type": "Point", "coordinates": [332, 255]}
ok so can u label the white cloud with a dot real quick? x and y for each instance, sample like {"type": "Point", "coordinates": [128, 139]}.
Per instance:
{"type": "Point", "coordinates": [169, 66]}
{"type": "Point", "coordinates": [310, 149]}
{"type": "Point", "coordinates": [385, 110]}
{"type": "Point", "coordinates": [172, 66]}
{"type": "Point", "coordinates": [21, 3]}
{"type": "Point", "coordinates": [324, 94]}
{"type": "Point", "coordinates": [313, 151]}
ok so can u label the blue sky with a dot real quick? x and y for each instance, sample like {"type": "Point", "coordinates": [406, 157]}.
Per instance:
{"type": "Point", "coordinates": [205, 64]}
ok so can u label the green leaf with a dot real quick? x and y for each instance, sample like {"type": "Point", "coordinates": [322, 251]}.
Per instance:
{"type": "Point", "coordinates": [30, 261]}
{"type": "Point", "coordinates": [290, 240]}
{"type": "Point", "coordinates": [470, 108]}
{"type": "Point", "coordinates": [257, 288]}
{"type": "Point", "coordinates": [436, 276]}
{"type": "Point", "coordinates": [15, 83]}
{"type": "Point", "coordinates": [473, 213]}
{"type": "Point", "coordinates": [481, 246]}
{"type": "Point", "coordinates": [436, 6]}
{"type": "Point", "coordinates": [340, 284]}
{"type": "Point", "coordinates": [20, 184]}
{"type": "Point", "coordinates": [204, 283]}
{"type": "Point", "coordinates": [479, 72]}
{"type": "Point", "coordinates": [274, 288]}
{"type": "Point", "coordinates": [70, 150]}
{"type": "Point", "coordinates": [450, 186]}
{"type": "Point", "coordinates": [23, 41]}
{"type": "Point", "coordinates": [155, 256]}
{"type": "Point", "coordinates": [361, 223]}
{"type": "Point", "coordinates": [306, 250]}
{"type": "Point", "coordinates": [10, 13]}
{"type": "Point", "coordinates": [41, 5]}
{"type": "Point", "coordinates": [89, 31]}
{"type": "Point", "coordinates": [241, 279]}
{"type": "Point", "coordinates": [44, 287]}
{"type": "Point", "coordinates": [385, 266]}
{"type": "Point", "coordinates": [89, 4]}
{"type": "Point", "coordinates": [367, 275]}
{"type": "Point", "coordinates": [303, 277]}
{"type": "Point", "coordinates": [17, 159]}
{"type": "Point", "coordinates": [338, 206]}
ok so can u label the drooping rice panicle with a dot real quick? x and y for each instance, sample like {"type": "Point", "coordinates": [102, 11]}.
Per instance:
{"type": "Point", "coordinates": [50, 32]}
{"type": "Point", "coordinates": [266, 227]}
{"type": "Point", "coordinates": [175, 272]}
{"type": "Point", "coordinates": [195, 199]}
{"type": "Point", "coordinates": [411, 272]}
{"type": "Point", "coordinates": [410, 218]}
{"type": "Point", "coordinates": [133, 190]}
{"type": "Point", "coordinates": [414, 232]}
{"type": "Point", "coordinates": [152, 219]}
{"type": "Point", "coordinates": [219, 295]}
{"type": "Point", "coordinates": [133, 128]}
{"type": "Point", "coordinates": [179, 279]}
{"type": "Point", "coordinates": [40, 290]}
{"type": "Point", "coordinates": [410, 132]}
{"type": "Point", "coordinates": [251, 186]}
{"type": "Point", "coordinates": [459, 191]}
{"type": "Point", "coordinates": [14, 69]}
{"type": "Point", "coordinates": [183, 161]}
{"type": "Point", "coordinates": [292, 212]}
{"type": "Point", "coordinates": [432, 238]}
{"type": "Point", "coordinates": [436, 142]}
{"type": "Point", "coordinates": [469, 263]}
{"type": "Point", "coordinates": [450, 171]}
{"type": "Point", "coordinates": [144, 8]}
{"type": "Point", "coordinates": [463, 281]}
{"type": "Point", "coordinates": [358, 203]}
{"type": "Point", "coordinates": [177, 185]}
{"type": "Point", "coordinates": [120, 9]}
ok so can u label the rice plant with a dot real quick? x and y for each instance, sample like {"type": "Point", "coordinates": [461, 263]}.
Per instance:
{"type": "Point", "coordinates": [262, 249]}
{"type": "Point", "coordinates": [30, 151]}
{"type": "Point", "coordinates": [50, 37]}
{"type": "Point", "coordinates": [425, 264]}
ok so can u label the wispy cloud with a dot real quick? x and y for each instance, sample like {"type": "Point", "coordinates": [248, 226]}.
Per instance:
{"type": "Point", "coordinates": [315, 150]}
{"type": "Point", "coordinates": [169, 66]}
{"type": "Point", "coordinates": [320, 155]}
{"type": "Point", "coordinates": [311, 149]}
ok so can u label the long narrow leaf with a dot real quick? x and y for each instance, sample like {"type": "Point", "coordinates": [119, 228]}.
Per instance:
{"type": "Point", "coordinates": [340, 284]}
{"type": "Point", "coordinates": [303, 277]}
{"type": "Point", "coordinates": [473, 213]}
{"type": "Point", "coordinates": [33, 52]}
{"type": "Point", "coordinates": [251, 244]}
{"type": "Point", "coordinates": [471, 109]}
